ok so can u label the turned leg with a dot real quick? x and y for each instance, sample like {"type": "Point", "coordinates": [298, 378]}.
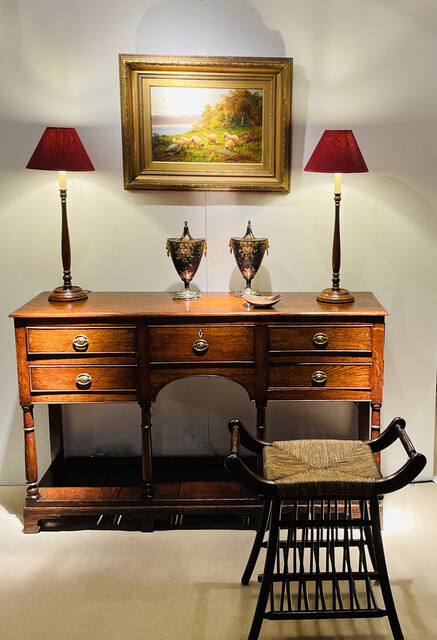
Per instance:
{"type": "Point", "coordinates": [30, 452]}
{"type": "Point", "coordinates": [146, 451]}
{"type": "Point", "coordinates": [260, 434]}
{"type": "Point", "coordinates": [375, 428]}
{"type": "Point", "coordinates": [363, 420]}
{"type": "Point", "coordinates": [56, 434]}
{"type": "Point", "coordinates": [261, 423]}
{"type": "Point", "coordinates": [376, 420]}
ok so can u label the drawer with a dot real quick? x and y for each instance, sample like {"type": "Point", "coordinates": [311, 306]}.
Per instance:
{"type": "Point", "coordinates": [195, 343]}
{"type": "Point", "coordinates": [66, 340]}
{"type": "Point", "coordinates": [82, 379]}
{"type": "Point", "coordinates": [343, 376]}
{"type": "Point", "coordinates": [321, 338]}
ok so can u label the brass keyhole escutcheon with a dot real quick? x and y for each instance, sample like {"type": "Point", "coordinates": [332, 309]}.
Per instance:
{"type": "Point", "coordinates": [80, 342]}
{"type": "Point", "coordinates": [200, 346]}
{"type": "Point", "coordinates": [319, 378]}
{"type": "Point", "coordinates": [83, 381]}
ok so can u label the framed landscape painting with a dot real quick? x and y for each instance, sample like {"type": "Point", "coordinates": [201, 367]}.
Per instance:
{"type": "Point", "coordinates": [203, 123]}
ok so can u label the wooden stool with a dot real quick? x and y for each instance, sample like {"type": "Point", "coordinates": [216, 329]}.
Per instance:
{"type": "Point", "coordinates": [321, 511]}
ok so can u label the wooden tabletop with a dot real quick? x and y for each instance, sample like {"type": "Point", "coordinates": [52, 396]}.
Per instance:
{"type": "Point", "coordinates": [138, 304]}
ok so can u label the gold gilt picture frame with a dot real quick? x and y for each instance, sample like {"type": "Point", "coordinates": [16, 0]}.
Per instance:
{"type": "Point", "coordinates": [206, 123]}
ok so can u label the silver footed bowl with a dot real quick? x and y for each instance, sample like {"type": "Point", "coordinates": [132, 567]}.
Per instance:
{"type": "Point", "coordinates": [249, 253]}
{"type": "Point", "coordinates": [186, 253]}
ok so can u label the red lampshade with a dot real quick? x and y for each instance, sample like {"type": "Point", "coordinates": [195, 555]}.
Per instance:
{"type": "Point", "coordinates": [60, 149]}
{"type": "Point", "coordinates": [337, 152]}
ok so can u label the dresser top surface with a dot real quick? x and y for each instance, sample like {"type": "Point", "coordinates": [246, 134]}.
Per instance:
{"type": "Point", "coordinates": [104, 304]}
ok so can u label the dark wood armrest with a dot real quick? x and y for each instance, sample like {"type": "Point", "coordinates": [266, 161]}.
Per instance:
{"type": "Point", "coordinates": [388, 436]}
{"type": "Point", "coordinates": [237, 468]}
{"type": "Point", "coordinates": [247, 440]}
{"type": "Point", "coordinates": [411, 469]}
{"type": "Point", "coordinates": [403, 476]}
{"type": "Point", "coordinates": [242, 474]}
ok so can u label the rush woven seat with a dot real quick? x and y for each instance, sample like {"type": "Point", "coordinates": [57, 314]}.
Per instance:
{"type": "Point", "coordinates": [320, 525]}
{"type": "Point", "coordinates": [321, 468]}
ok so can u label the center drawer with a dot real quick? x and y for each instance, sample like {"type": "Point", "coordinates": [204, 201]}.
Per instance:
{"type": "Point", "coordinates": [82, 378]}
{"type": "Point", "coordinates": [207, 343]}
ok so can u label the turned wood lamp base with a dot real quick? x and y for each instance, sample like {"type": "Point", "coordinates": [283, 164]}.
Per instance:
{"type": "Point", "coordinates": [68, 292]}
{"type": "Point", "coordinates": [335, 296]}
{"type": "Point", "coordinates": [60, 294]}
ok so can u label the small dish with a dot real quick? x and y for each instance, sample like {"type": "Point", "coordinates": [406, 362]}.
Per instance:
{"type": "Point", "coordinates": [262, 302]}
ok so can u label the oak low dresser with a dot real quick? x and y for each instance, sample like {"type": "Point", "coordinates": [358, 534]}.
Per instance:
{"type": "Point", "coordinates": [125, 347]}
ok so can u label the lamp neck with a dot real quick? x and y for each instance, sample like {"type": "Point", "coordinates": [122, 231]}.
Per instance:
{"type": "Point", "coordinates": [336, 245]}
{"type": "Point", "coordinates": [65, 241]}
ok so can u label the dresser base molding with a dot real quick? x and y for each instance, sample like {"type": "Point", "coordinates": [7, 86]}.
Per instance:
{"type": "Point", "coordinates": [112, 486]}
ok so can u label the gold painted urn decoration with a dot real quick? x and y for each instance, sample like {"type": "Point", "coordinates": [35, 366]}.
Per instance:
{"type": "Point", "coordinates": [249, 252]}
{"type": "Point", "coordinates": [186, 253]}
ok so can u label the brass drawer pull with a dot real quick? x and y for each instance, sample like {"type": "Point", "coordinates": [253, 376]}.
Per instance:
{"type": "Point", "coordinates": [83, 381]}
{"type": "Point", "coordinates": [200, 347]}
{"type": "Point", "coordinates": [320, 340]}
{"type": "Point", "coordinates": [319, 377]}
{"type": "Point", "coordinates": [80, 343]}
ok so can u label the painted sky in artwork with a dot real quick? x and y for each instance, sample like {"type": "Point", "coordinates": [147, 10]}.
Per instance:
{"type": "Point", "coordinates": [184, 101]}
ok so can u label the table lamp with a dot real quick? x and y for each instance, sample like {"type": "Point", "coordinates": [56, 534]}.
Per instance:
{"type": "Point", "coordinates": [337, 152]}
{"type": "Point", "coordinates": [60, 149]}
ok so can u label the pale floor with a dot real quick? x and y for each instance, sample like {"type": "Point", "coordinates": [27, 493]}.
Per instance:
{"type": "Point", "coordinates": [185, 584]}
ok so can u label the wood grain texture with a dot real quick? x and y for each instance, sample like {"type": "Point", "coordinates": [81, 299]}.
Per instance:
{"type": "Point", "coordinates": [159, 305]}
{"type": "Point", "coordinates": [22, 368]}
{"type": "Point", "coordinates": [343, 376]}
{"type": "Point", "coordinates": [338, 338]}
{"type": "Point", "coordinates": [378, 362]}
{"type": "Point", "coordinates": [224, 343]}
{"type": "Point", "coordinates": [46, 340]}
{"type": "Point", "coordinates": [103, 378]}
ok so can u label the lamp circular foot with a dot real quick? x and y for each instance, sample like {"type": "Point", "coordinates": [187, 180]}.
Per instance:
{"type": "Point", "coordinates": [335, 296]}
{"type": "Point", "coordinates": [67, 295]}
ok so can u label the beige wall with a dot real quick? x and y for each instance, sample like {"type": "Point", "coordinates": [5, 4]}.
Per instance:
{"type": "Point", "coordinates": [368, 66]}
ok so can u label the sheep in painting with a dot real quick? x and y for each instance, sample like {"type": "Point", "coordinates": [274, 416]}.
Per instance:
{"type": "Point", "coordinates": [186, 141]}
{"type": "Point", "coordinates": [173, 148]}
{"type": "Point", "coordinates": [229, 144]}
{"type": "Point", "coordinates": [197, 142]}
{"type": "Point", "coordinates": [179, 142]}
{"type": "Point", "coordinates": [235, 138]}
{"type": "Point", "coordinates": [212, 139]}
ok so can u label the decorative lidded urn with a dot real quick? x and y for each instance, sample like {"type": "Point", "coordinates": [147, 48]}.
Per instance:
{"type": "Point", "coordinates": [186, 253]}
{"type": "Point", "coordinates": [249, 252]}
